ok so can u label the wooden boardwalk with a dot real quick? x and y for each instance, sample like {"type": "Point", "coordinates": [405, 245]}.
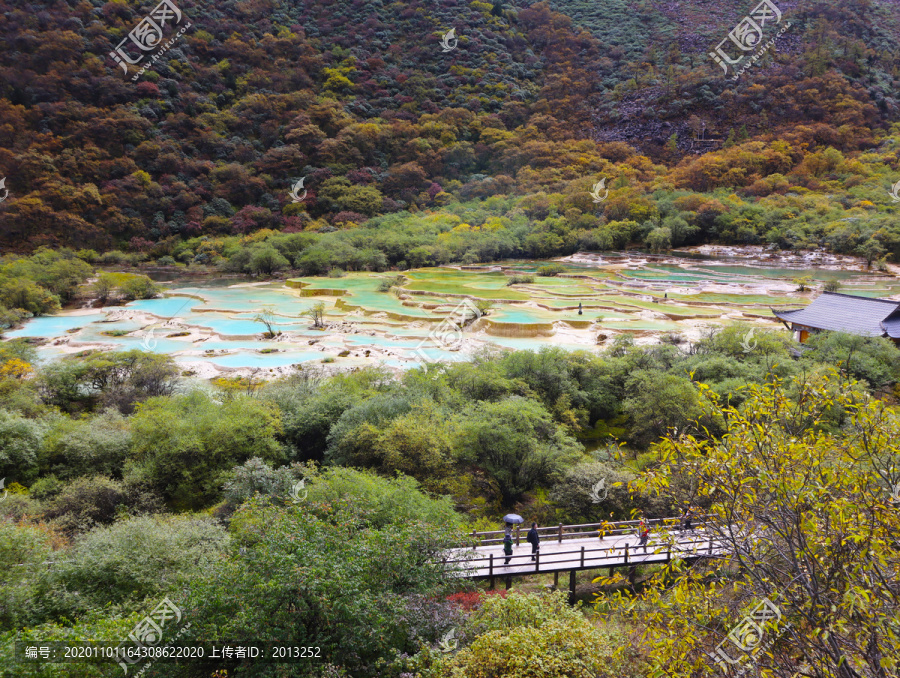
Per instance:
{"type": "Point", "coordinates": [570, 548]}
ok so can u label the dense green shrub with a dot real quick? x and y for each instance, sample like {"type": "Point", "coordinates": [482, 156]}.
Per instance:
{"type": "Point", "coordinates": [310, 405]}
{"type": "Point", "coordinates": [417, 443]}
{"type": "Point", "coordinates": [659, 404]}
{"type": "Point", "coordinates": [107, 379]}
{"type": "Point", "coordinates": [871, 358]}
{"type": "Point", "coordinates": [256, 477]}
{"type": "Point", "coordinates": [40, 283]}
{"type": "Point", "coordinates": [265, 260]}
{"type": "Point", "coordinates": [746, 342]}
{"type": "Point", "coordinates": [95, 445]}
{"type": "Point", "coordinates": [82, 503]}
{"type": "Point", "coordinates": [306, 574]}
{"type": "Point", "coordinates": [592, 491]}
{"type": "Point", "coordinates": [387, 284]}
{"type": "Point", "coordinates": [20, 442]}
{"type": "Point", "coordinates": [11, 317]}
{"type": "Point", "coordinates": [106, 624]}
{"type": "Point", "coordinates": [550, 270]}
{"type": "Point", "coordinates": [25, 297]}
{"type": "Point", "coordinates": [139, 287]}
{"type": "Point", "coordinates": [132, 560]}
{"type": "Point", "coordinates": [519, 279]}
{"type": "Point", "coordinates": [529, 636]}
{"type": "Point", "coordinates": [381, 501]}
{"type": "Point", "coordinates": [23, 552]}
{"type": "Point", "coordinates": [183, 445]}
{"type": "Point", "coordinates": [516, 442]}
{"type": "Point", "coordinates": [114, 258]}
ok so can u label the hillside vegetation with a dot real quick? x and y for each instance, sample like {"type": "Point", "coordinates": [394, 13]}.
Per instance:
{"type": "Point", "coordinates": [125, 485]}
{"type": "Point", "coordinates": [316, 511]}
{"type": "Point", "coordinates": [361, 100]}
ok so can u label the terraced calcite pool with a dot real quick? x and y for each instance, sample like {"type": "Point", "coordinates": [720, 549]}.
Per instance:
{"type": "Point", "coordinates": [210, 328]}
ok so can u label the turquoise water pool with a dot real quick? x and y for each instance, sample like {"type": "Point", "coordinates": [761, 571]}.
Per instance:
{"type": "Point", "coordinates": [53, 325]}
{"type": "Point", "coordinates": [789, 273]}
{"type": "Point", "coordinates": [527, 316]}
{"type": "Point", "coordinates": [166, 307]}
{"type": "Point", "coordinates": [669, 273]}
{"type": "Point", "coordinates": [221, 324]}
{"type": "Point", "coordinates": [220, 314]}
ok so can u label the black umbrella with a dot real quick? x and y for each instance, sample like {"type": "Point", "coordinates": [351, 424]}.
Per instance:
{"type": "Point", "coordinates": [513, 518]}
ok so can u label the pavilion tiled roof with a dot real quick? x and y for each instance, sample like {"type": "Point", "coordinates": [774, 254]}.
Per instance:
{"type": "Point", "coordinates": [848, 313]}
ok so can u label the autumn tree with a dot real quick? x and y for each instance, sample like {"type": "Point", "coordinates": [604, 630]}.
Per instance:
{"type": "Point", "coordinates": [801, 495]}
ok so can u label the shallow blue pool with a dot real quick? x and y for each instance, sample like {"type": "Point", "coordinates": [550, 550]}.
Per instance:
{"type": "Point", "coordinates": [54, 325]}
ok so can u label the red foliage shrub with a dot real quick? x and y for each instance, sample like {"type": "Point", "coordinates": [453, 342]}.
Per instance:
{"type": "Point", "coordinates": [147, 89]}
{"type": "Point", "coordinates": [344, 217]}
{"type": "Point", "coordinates": [139, 244]}
{"type": "Point", "coordinates": [469, 600]}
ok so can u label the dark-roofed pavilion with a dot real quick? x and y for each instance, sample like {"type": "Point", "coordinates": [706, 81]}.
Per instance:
{"type": "Point", "coordinates": [845, 313]}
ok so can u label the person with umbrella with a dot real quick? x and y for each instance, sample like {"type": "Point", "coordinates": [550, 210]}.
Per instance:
{"type": "Point", "coordinates": [510, 519]}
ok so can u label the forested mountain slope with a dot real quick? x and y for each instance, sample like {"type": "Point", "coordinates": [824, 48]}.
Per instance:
{"type": "Point", "coordinates": [838, 63]}
{"type": "Point", "coordinates": [362, 100]}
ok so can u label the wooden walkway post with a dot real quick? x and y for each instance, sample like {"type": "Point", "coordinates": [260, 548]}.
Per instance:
{"type": "Point", "coordinates": [491, 572]}
{"type": "Point", "coordinates": [560, 533]}
{"type": "Point", "coordinates": [582, 556]}
{"type": "Point", "coordinates": [571, 587]}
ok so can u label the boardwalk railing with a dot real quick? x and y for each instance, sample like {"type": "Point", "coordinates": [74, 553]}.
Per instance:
{"type": "Point", "coordinates": [561, 532]}
{"type": "Point", "coordinates": [583, 558]}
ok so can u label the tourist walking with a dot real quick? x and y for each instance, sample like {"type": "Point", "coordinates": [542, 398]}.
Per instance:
{"type": "Point", "coordinates": [687, 526]}
{"type": "Point", "coordinates": [534, 540]}
{"type": "Point", "coordinates": [507, 547]}
{"type": "Point", "coordinates": [643, 533]}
